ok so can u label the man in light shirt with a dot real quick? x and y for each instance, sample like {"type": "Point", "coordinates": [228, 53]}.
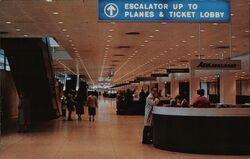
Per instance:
{"type": "Point", "coordinates": [151, 101]}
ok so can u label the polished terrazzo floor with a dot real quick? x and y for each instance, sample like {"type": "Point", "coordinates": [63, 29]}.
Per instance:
{"type": "Point", "coordinates": [109, 137]}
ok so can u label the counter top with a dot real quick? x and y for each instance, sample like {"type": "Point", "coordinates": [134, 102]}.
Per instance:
{"type": "Point", "coordinates": [216, 112]}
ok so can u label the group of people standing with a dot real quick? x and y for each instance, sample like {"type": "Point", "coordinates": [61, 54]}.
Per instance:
{"type": "Point", "coordinates": [76, 102]}
{"type": "Point", "coordinates": [153, 100]}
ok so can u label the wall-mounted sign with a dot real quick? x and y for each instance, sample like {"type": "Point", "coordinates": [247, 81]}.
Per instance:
{"type": "Point", "coordinates": [178, 70]}
{"type": "Point", "coordinates": [145, 78]}
{"type": "Point", "coordinates": [216, 64]}
{"type": "Point", "coordinates": [135, 81]}
{"type": "Point", "coordinates": [165, 10]}
{"type": "Point", "coordinates": [159, 75]}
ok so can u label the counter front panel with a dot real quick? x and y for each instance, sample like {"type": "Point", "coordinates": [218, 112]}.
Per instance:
{"type": "Point", "coordinates": [202, 130]}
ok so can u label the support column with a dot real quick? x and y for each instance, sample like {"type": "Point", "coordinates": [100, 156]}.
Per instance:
{"type": "Point", "coordinates": [194, 85]}
{"type": "Point", "coordinates": [228, 88]}
{"type": "Point", "coordinates": [174, 86]}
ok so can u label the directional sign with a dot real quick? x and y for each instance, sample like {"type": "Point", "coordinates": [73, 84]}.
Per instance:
{"type": "Point", "coordinates": [178, 70]}
{"type": "Point", "coordinates": [159, 75]}
{"type": "Point", "coordinates": [215, 64]}
{"type": "Point", "coordinates": [165, 10]}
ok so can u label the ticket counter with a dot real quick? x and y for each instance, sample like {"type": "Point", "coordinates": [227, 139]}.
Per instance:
{"type": "Point", "coordinates": [202, 130]}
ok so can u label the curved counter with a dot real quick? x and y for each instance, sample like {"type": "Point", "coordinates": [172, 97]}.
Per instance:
{"type": "Point", "coordinates": [202, 130]}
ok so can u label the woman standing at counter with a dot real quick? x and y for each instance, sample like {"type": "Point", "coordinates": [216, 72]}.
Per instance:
{"type": "Point", "coordinates": [151, 101]}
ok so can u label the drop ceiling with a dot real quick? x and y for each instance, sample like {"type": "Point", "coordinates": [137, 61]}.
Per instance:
{"type": "Point", "coordinates": [127, 49]}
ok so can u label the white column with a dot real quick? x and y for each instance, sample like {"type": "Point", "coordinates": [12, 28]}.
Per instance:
{"type": "Point", "coordinates": [161, 86]}
{"type": "Point", "coordinates": [174, 86]}
{"type": "Point", "coordinates": [227, 88]}
{"type": "Point", "coordinates": [194, 84]}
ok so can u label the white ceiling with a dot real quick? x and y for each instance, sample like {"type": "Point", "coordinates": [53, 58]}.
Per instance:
{"type": "Point", "coordinates": [94, 45]}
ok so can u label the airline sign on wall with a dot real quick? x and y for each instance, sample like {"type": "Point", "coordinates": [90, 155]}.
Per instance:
{"type": "Point", "coordinates": [165, 10]}
{"type": "Point", "coordinates": [215, 64]}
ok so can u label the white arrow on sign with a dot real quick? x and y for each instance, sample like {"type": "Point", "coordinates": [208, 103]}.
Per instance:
{"type": "Point", "coordinates": [111, 10]}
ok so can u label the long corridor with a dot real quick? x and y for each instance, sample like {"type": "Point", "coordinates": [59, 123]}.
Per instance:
{"type": "Point", "coordinates": [109, 137]}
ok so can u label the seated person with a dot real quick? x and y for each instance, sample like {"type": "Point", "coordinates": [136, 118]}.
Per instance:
{"type": "Point", "coordinates": [201, 101]}
{"type": "Point", "coordinates": [180, 101]}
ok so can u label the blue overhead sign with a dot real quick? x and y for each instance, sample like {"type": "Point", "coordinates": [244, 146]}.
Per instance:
{"type": "Point", "coordinates": [165, 10]}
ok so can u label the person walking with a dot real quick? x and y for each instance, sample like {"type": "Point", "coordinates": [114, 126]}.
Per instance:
{"type": "Point", "coordinates": [79, 106]}
{"type": "Point", "coordinates": [23, 113]}
{"type": "Point", "coordinates": [70, 104]}
{"type": "Point", "coordinates": [92, 104]}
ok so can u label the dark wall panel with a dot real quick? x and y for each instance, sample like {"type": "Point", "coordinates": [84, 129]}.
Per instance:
{"type": "Point", "coordinates": [30, 63]}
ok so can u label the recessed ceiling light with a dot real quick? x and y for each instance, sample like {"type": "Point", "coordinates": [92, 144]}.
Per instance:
{"type": "Point", "coordinates": [189, 54]}
{"type": "Point", "coordinates": [60, 22]}
{"type": "Point", "coordinates": [55, 13]}
{"type": "Point", "coordinates": [142, 45]}
{"type": "Point", "coordinates": [163, 23]}
{"type": "Point", "coordinates": [106, 48]}
{"type": "Point", "coordinates": [195, 51]}
{"type": "Point", "coordinates": [171, 48]}
{"type": "Point", "coordinates": [112, 23]}
{"type": "Point", "coordinates": [72, 44]}
{"type": "Point", "coordinates": [184, 41]}
{"type": "Point", "coordinates": [202, 31]}
{"type": "Point", "coordinates": [136, 51]}
{"type": "Point", "coordinates": [133, 54]}
{"type": "Point", "coordinates": [247, 31]}
{"type": "Point", "coordinates": [215, 24]}
{"type": "Point", "coordinates": [220, 41]}
{"type": "Point", "coordinates": [192, 36]}
{"type": "Point", "coordinates": [74, 48]}
{"type": "Point", "coordinates": [17, 29]}
{"type": "Point", "coordinates": [67, 36]}
{"type": "Point", "coordinates": [232, 14]}
{"type": "Point", "coordinates": [64, 30]}
{"type": "Point", "coordinates": [165, 51]}
{"type": "Point", "coordinates": [211, 45]}
{"type": "Point", "coordinates": [109, 36]}
{"type": "Point", "coordinates": [8, 22]}
{"type": "Point", "coordinates": [157, 30]}
{"type": "Point", "coordinates": [151, 36]}
{"type": "Point", "coordinates": [75, 51]}
{"type": "Point", "coordinates": [203, 48]}
{"type": "Point", "coordinates": [177, 45]}
{"type": "Point", "coordinates": [161, 54]}
{"type": "Point", "coordinates": [70, 40]}
{"type": "Point", "coordinates": [106, 51]}
{"type": "Point", "coordinates": [111, 30]}
{"type": "Point", "coordinates": [146, 41]}
{"type": "Point", "coordinates": [233, 37]}
{"type": "Point", "coordinates": [49, 0]}
{"type": "Point", "coordinates": [107, 45]}
{"type": "Point", "coordinates": [25, 35]}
